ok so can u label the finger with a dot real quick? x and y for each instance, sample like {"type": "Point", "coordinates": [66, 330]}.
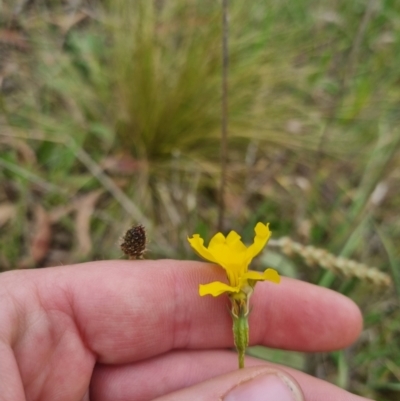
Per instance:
{"type": "Point", "coordinates": [254, 384]}
{"type": "Point", "coordinates": [128, 311]}
{"type": "Point", "coordinates": [11, 388]}
{"type": "Point", "coordinates": [181, 369]}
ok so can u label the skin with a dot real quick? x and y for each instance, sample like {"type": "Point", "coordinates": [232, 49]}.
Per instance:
{"type": "Point", "coordinates": [138, 330]}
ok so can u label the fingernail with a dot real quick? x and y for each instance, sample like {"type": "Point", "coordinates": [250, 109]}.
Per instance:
{"type": "Point", "coordinates": [267, 387]}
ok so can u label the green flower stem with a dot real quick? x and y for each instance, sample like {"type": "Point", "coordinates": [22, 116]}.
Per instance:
{"type": "Point", "coordinates": [240, 330]}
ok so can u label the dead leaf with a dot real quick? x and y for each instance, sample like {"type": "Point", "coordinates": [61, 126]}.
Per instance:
{"type": "Point", "coordinates": [14, 38]}
{"type": "Point", "coordinates": [41, 238]}
{"type": "Point", "coordinates": [84, 212]}
{"type": "Point", "coordinates": [7, 212]}
{"type": "Point", "coordinates": [66, 22]}
{"type": "Point", "coordinates": [121, 164]}
{"type": "Point", "coordinates": [24, 150]}
{"type": "Point", "coordinates": [59, 212]}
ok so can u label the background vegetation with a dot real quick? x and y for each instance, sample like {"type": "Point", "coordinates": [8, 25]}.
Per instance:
{"type": "Point", "coordinates": [110, 115]}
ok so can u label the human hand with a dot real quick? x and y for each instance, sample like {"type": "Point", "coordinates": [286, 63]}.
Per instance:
{"type": "Point", "coordinates": [138, 330]}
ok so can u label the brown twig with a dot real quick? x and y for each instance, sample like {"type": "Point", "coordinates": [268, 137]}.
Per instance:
{"type": "Point", "coordinates": [224, 116]}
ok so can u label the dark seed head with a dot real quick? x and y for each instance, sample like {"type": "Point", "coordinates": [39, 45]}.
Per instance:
{"type": "Point", "coordinates": [134, 242]}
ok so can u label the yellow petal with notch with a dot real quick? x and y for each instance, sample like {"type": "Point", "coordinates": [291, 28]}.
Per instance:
{"type": "Point", "coordinates": [216, 288]}
{"type": "Point", "coordinates": [197, 244]}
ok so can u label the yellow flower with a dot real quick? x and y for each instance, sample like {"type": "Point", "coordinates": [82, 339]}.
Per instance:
{"type": "Point", "coordinates": [234, 257]}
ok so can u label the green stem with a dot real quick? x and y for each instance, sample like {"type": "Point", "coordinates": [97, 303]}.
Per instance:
{"type": "Point", "coordinates": [241, 334]}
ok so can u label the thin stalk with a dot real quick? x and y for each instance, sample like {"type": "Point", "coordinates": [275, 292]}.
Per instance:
{"type": "Point", "coordinates": [224, 117]}
{"type": "Point", "coordinates": [241, 337]}
{"type": "Point", "coordinates": [240, 314]}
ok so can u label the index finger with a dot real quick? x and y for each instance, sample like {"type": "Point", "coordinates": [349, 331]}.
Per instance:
{"type": "Point", "coordinates": [131, 310]}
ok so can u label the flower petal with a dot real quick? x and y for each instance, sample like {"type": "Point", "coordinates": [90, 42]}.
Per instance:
{"type": "Point", "coordinates": [224, 256]}
{"type": "Point", "coordinates": [260, 240]}
{"type": "Point", "coordinates": [269, 274]}
{"type": "Point", "coordinates": [216, 288]}
{"type": "Point", "coordinates": [196, 243]}
{"type": "Point", "coordinates": [217, 240]}
{"type": "Point", "coordinates": [272, 275]}
{"type": "Point", "coordinates": [234, 242]}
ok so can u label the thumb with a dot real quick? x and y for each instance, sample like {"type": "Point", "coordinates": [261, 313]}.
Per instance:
{"type": "Point", "coordinates": [255, 384]}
